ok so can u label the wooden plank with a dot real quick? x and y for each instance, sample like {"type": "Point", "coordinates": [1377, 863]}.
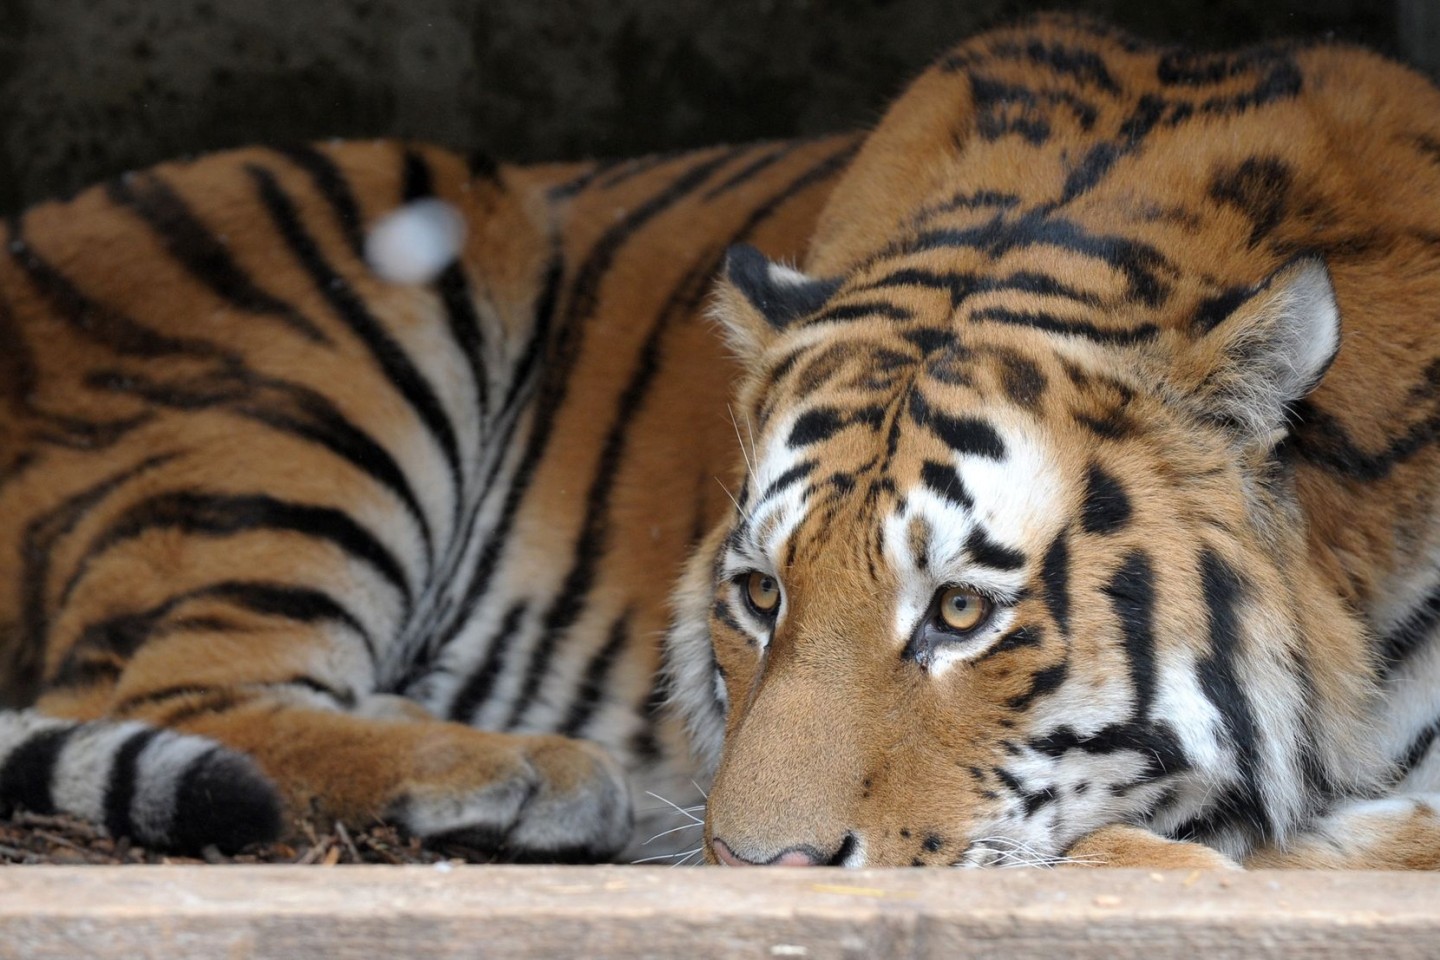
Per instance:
{"type": "Point", "coordinates": [400, 913]}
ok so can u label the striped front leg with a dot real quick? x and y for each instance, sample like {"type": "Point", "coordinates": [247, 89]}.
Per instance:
{"type": "Point", "coordinates": [330, 752]}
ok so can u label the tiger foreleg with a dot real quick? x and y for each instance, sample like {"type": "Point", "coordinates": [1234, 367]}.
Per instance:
{"type": "Point", "coordinates": [289, 697]}
{"type": "Point", "coordinates": [1394, 833]}
{"type": "Point", "coordinates": [1137, 848]}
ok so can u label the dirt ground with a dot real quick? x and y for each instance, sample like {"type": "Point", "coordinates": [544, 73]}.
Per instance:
{"type": "Point", "coordinates": [28, 838]}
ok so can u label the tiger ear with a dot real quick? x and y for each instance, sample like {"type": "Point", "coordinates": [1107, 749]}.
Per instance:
{"type": "Point", "coordinates": [757, 299]}
{"type": "Point", "coordinates": [1264, 348]}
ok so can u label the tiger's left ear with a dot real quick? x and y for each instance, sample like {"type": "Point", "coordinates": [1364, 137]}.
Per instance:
{"type": "Point", "coordinates": [1258, 351]}
{"type": "Point", "coordinates": [757, 299]}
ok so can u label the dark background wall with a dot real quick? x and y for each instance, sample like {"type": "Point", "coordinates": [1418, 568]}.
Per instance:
{"type": "Point", "coordinates": [89, 88]}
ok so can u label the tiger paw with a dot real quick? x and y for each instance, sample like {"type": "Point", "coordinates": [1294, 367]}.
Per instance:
{"type": "Point", "coordinates": [535, 798]}
{"type": "Point", "coordinates": [538, 798]}
{"type": "Point", "coordinates": [1137, 848]}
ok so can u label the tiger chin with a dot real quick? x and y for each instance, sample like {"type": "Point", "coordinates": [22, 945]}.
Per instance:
{"type": "Point", "coordinates": [1087, 513]}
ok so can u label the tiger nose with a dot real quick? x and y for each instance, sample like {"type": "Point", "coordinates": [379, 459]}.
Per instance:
{"type": "Point", "coordinates": [801, 856]}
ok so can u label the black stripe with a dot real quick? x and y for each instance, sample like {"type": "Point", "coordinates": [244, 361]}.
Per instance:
{"type": "Point", "coordinates": [29, 770]}
{"type": "Point", "coordinates": [41, 537]}
{"type": "Point", "coordinates": [1021, 378]}
{"type": "Point", "coordinates": [218, 515]}
{"type": "Point", "coordinates": [976, 200]}
{"type": "Point", "coordinates": [1154, 742]}
{"type": "Point", "coordinates": [290, 408]}
{"type": "Point", "coordinates": [944, 480]}
{"type": "Point", "coordinates": [1243, 805]}
{"type": "Point", "coordinates": [1402, 640]}
{"type": "Point", "coordinates": [343, 698]}
{"type": "Point", "coordinates": [95, 321]}
{"type": "Point", "coordinates": [563, 192]}
{"type": "Point", "coordinates": [1067, 326]}
{"type": "Point", "coordinates": [985, 551]}
{"type": "Point", "coordinates": [1041, 284]}
{"type": "Point", "coordinates": [1214, 310]}
{"type": "Point", "coordinates": [1020, 637]}
{"type": "Point", "coordinates": [957, 285]}
{"type": "Point", "coordinates": [1132, 595]}
{"type": "Point", "coordinates": [349, 306]}
{"type": "Point", "coordinates": [1196, 68]}
{"type": "Point", "coordinates": [1090, 171]}
{"type": "Point", "coordinates": [1106, 507]}
{"type": "Point", "coordinates": [788, 479]}
{"type": "Point", "coordinates": [1043, 682]}
{"type": "Point", "coordinates": [1139, 262]}
{"type": "Point", "coordinates": [19, 379]}
{"type": "Point", "coordinates": [95, 653]}
{"type": "Point", "coordinates": [1418, 749]}
{"type": "Point", "coordinates": [1083, 66]}
{"type": "Point", "coordinates": [205, 699]}
{"type": "Point", "coordinates": [476, 690]}
{"type": "Point", "coordinates": [967, 436]}
{"type": "Point", "coordinates": [594, 683]}
{"type": "Point", "coordinates": [1322, 439]}
{"type": "Point", "coordinates": [333, 187]}
{"type": "Point", "coordinates": [930, 339]}
{"type": "Point", "coordinates": [203, 256]}
{"type": "Point", "coordinates": [614, 176]}
{"type": "Point", "coordinates": [454, 290]}
{"type": "Point", "coordinates": [722, 613]}
{"type": "Point", "coordinates": [816, 425]}
{"type": "Point", "coordinates": [120, 793]}
{"type": "Point", "coordinates": [748, 172]}
{"type": "Point", "coordinates": [864, 310]}
{"type": "Point", "coordinates": [1055, 575]}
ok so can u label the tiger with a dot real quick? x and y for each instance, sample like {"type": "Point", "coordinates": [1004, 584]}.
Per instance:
{"type": "Point", "coordinates": [286, 538]}
{"type": "Point", "coordinates": [1088, 504]}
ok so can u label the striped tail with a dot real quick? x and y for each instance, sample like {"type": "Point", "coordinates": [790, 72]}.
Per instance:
{"type": "Point", "coordinates": [160, 788]}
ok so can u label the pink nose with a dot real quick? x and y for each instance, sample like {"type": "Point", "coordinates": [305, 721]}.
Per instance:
{"type": "Point", "coordinates": [796, 857]}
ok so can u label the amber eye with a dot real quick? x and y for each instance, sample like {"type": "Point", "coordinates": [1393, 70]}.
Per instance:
{"type": "Point", "coordinates": [762, 591]}
{"type": "Point", "coordinates": [963, 610]}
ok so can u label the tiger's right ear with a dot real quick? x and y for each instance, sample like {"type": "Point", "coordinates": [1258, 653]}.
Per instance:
{"type": "Point", "coordinates": [757, 299]}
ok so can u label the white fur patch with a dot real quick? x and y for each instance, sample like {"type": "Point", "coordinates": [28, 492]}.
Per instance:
{"type": "Point", "coordinates": [82, 772]}
{"type": "Point", "coordinates": [414, 243]}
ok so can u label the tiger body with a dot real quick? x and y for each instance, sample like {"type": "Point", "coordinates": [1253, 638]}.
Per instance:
{"type": "Point", "coordinates": [282, 537]}
{"type": "Point", "coordinates": [1050, 373]}
{"type": "Point", "coordinates": [301, 542]}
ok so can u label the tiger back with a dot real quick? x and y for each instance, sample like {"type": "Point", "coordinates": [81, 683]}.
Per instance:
{"type": "Point", "coordinates": [279, 538]}
{"type": "Point", "coordinates": [1090, 513]}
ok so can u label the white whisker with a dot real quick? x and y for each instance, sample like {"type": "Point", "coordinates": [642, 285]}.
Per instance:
{"type": "Point", "coordinates": [749, 464]}
{"type": "Point", "coordinates": [663, 856]}
{"type": "Point", "coordinates": [684, 826]}
{"type": "Point", "coordinates": [674, 806]}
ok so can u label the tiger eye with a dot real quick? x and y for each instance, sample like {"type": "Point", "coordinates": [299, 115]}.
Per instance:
{"type": "Point", "coordinates": [762, 591]}
{"type": "Point", "coordinates": [963, 610]}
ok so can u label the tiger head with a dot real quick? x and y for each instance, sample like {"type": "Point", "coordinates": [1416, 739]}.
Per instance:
{"type": "Point", "coordinates": [1017, 552]}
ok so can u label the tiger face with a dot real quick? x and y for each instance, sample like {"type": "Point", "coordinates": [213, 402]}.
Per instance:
{"type": "Point", "coordinates": [1021, 546]}
{"type": "Point", "coordinates": [936, 617]}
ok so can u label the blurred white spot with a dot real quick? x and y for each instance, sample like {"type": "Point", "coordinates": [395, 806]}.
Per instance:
{"type": "Point", "coordinates": [416, 242]}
